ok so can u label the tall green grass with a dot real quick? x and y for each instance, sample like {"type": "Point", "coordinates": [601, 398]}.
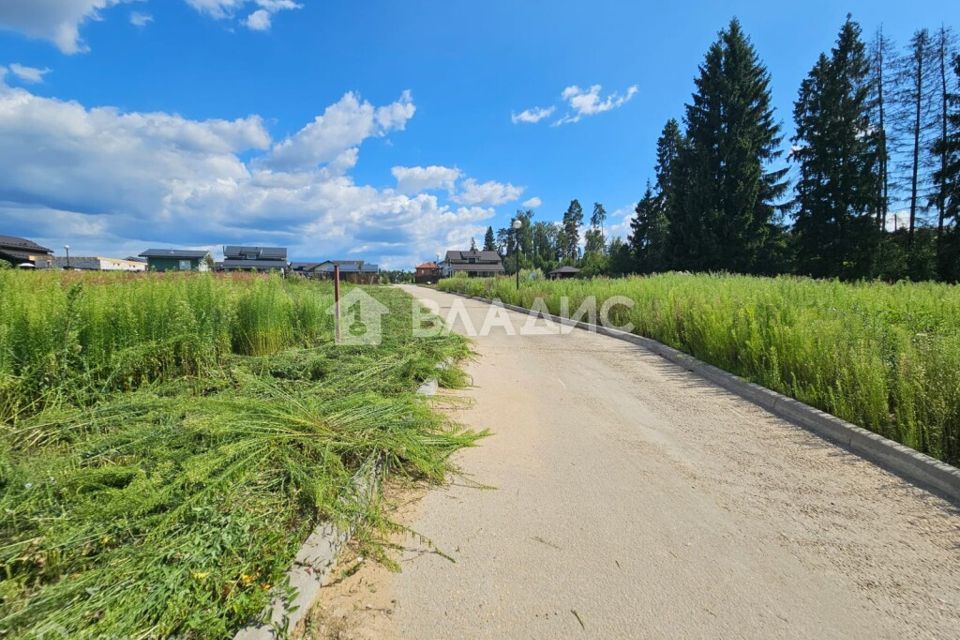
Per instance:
{"type": "Point", "coordinates": [885, 357]}
{"type": "Point", "coordinates": [168, 442]}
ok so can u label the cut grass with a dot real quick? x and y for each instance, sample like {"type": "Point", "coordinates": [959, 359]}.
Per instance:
{"type": "Point", "coordinates": [171, 502]}
{"type": "Point", "coordinates": [885, 357]}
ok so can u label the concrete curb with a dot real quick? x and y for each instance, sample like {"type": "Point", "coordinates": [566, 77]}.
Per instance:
{"type": "Point", "coordinates": [318, 555]}
{"type": "Point", "coordinates": [913, 466]}
{"type": "Point", "coordinates": [312, 565]}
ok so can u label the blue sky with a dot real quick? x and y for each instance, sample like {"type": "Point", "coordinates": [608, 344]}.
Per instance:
{"type": "Point", "coordinates": [384, 130]}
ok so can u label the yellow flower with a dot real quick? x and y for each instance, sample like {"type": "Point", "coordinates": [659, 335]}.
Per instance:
{"type": "Point", "coordinates": [201, 575]}
{"type": "Point", "coordinates": [246, 579]}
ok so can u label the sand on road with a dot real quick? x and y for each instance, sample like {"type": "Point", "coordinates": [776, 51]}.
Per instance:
{"type": "Point", "coordinates": [633, 499]}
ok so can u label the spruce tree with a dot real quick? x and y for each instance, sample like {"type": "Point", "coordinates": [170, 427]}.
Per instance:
{"type": "Point", "coordinates": [882, 80]}
{"type": "Point", "coordinates": [837, 149]}
{"type": "Point", "coordinates": [489, 240]}
{"type": "Point", "coordinates": [948, 183]}
{"type": "Point", "coordinates": [728, 212]}
{"type": "Point", "coordinates": [648, 233]}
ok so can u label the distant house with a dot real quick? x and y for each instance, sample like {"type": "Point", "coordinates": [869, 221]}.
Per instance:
{"type": "Point", "coordinates": [98, 263]}
{"type": "Point", "coordinates": [18, 251]}
{"type": "Point", "coordinates": [474, 263]}
{"type": "Point", "coordinates": [176, 260]}
{"type": "Point", "coordinates": [564, 272]}
{"type": "Point", "coordinates": [427, 273]}
{"type": "Point", "coordinates": [254, 259]}
{"type": "Point", "coordinates": [356, 271]}
{"type": "Point", "coordinates": [303, 268]}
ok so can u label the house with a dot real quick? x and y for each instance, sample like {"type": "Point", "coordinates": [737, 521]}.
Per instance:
{"type": "Point", "coordinates": [176, 259]}
{"type": "Point", "coordinates": [356, 271]}
{"type": "Point", "coordinates": [18, 251]}
{"type": "Point", "coordinates": [254, 259]}
{"type": "Point", "coordinates": [98, 263]}
{"type": "Point", "coordinates": [303, 268]}
{"type": "Point", "coordinates": [563, 273]}
{"type": "Point", "coordinates": [473, 262]}
{"type": "Point", "coordinates": [427, 273]}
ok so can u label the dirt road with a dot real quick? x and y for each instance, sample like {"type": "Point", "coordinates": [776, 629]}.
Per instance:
{"type": "Point", "coordinates": [634, 500]}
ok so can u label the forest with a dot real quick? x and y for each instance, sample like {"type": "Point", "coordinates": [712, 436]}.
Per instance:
{"type": "Point", "coordinates": [868, 186]}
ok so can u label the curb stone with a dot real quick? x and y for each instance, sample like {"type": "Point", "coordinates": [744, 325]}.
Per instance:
{"type": "Point", "coordinates": [312, 565]}
{"type": "Point", "coordinates": [318, 554]}
{"type": "Point", "coordinates": [915, 467]}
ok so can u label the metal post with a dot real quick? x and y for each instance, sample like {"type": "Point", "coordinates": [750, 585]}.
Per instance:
{"type": "Point", "coordinates": [518, 261]}
{"type": "Point", "coordinates": [336, 300]}
{"type": "Point", "coordinates": [66, 248]}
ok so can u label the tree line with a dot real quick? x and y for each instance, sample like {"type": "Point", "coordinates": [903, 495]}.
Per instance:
{"type": "Point", "coordinates": [870, 187]}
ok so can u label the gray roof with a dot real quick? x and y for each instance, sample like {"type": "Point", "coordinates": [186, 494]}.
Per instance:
{"type": "Point", "coordinates": [477, 266]}
{"type": "Point", "coordinates": [176, 254]}
{"type": "Point", "coordinates": [464, 256]}
{"type": "Point", "coordinates": [303, 266]}
{"type": "Point", "coordinates": [566, 269]}
{"type": "Point", "coordinates": [22, 244]}
{"type": "Point", "coordinates": [347, 266]}
{"type": "Point", "coordinates": [230, 263]}
{"type": "Point", "coordinates": [255, 253]}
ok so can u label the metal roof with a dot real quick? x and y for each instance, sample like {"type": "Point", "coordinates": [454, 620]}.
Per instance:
{"type": "Point", "coordinates": [176, 254]}
{"type": "Point", "coordinates": [484, 256]}
{"type": "Point", "coordinates": [566, 269]}
{"type": "Point", "coordinates": [253, 264]}
{"type": "Point", "coordinates": [22, 244]}
{"type": "Point", "coordinates": [255, 253]}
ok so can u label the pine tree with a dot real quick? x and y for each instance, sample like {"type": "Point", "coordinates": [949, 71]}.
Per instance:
{"type": "Point", "coordinates": [489, 240]}
{"type": "Point", "coordinates": [669, 147]}
{"type": "Point", "coordinates": [473, 244]}
{"type": "Point", "coordinates": [837, 149]}
{"type": "Point", "coordinates": [595, 242]}
{"type": "Point", "coordinates": [727, 213]}
{"type": "Point", "coordinates": [572, 219]}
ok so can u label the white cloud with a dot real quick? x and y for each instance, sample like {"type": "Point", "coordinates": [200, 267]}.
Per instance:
{"type": "Point", "coordinates": [110, 182]}
{"type": "Point", "coordinates": [486, 193]}
{"type": "Point", "coordinates": [588, 102]}
{"type": "Point", "coordinates": [342, 126]}
{"type": "Point", "coordinates": [259, 20]}
{"type": "Point", "coordinates": [532, 116]}
{"type": "Point", "coordinates": [414, 179]}
{"type": "Point", "coordinates": [139, 19]}
{"type": "Point", "coordinates": [619, 222]}
{"type": "Point", "coordinates": [32, 75]}
{"type": "Point", "coordinates": [55, 20]}
{"type": "Point", "coordinates": [59, 21]}
{"type": "Point", "coordinates": [532, 203]}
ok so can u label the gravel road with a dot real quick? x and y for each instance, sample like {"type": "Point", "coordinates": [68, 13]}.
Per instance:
{"type": "Point", "coordinates": [632, 499]}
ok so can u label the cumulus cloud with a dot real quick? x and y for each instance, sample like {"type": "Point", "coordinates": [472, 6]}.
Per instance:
{"type": "Point", "coordinates": [486, 193]}
{"type": "Point", "coordinates": [414, 179]}
{"type": "Point", "coordinates": [32, 75]}
{"type": "Point", "coordinates": [139, 19]}
{"type": "Point", "coordinates": [342, 126]}
{"type": "Point", "coordinates": [532, 203]}
{"type": "Point", "coordinates": [113, 182]}
{"type": "Point", "coordinates": [55, 20]}
{"type": "Point", "coordinates": [59, 21]}
{"type": "Point", "coordinates": [532, 116]}
{"type": "Point", "coordinates": [588, 102]}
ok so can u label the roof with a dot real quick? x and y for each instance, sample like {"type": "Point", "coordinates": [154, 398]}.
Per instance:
{"type": "Point", "coordinates": [477, 266]}
{"type": "Point", "coordinates": [232, 263]}
{"type": "Point", "coordinates": [176, 254]}
{"type": "Point", "coordinates": [22, 244]}
{"type": "Point", "coordinates": [428, 265]}
{"type": "Point", "coordinates": [463, 256]}
{"type": "Point", "coordinates": [303, 266]}
{"type": "Point", "coordinates": [346, 266]}
{"type": "Point", "coordinates": [566, 269]}
{"type": "Point", "coordinates": [255, 253]}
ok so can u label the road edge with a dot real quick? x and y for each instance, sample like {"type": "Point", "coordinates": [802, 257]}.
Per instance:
{"type": "Point", "coordinates": [917, 468]}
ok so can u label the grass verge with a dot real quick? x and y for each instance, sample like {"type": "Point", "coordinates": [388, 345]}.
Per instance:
{"type": "Point", "coordinates": [166, 494]}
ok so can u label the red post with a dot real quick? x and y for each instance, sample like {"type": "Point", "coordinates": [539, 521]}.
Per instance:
{"type": "Point", "coordinates": [336, 299]}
